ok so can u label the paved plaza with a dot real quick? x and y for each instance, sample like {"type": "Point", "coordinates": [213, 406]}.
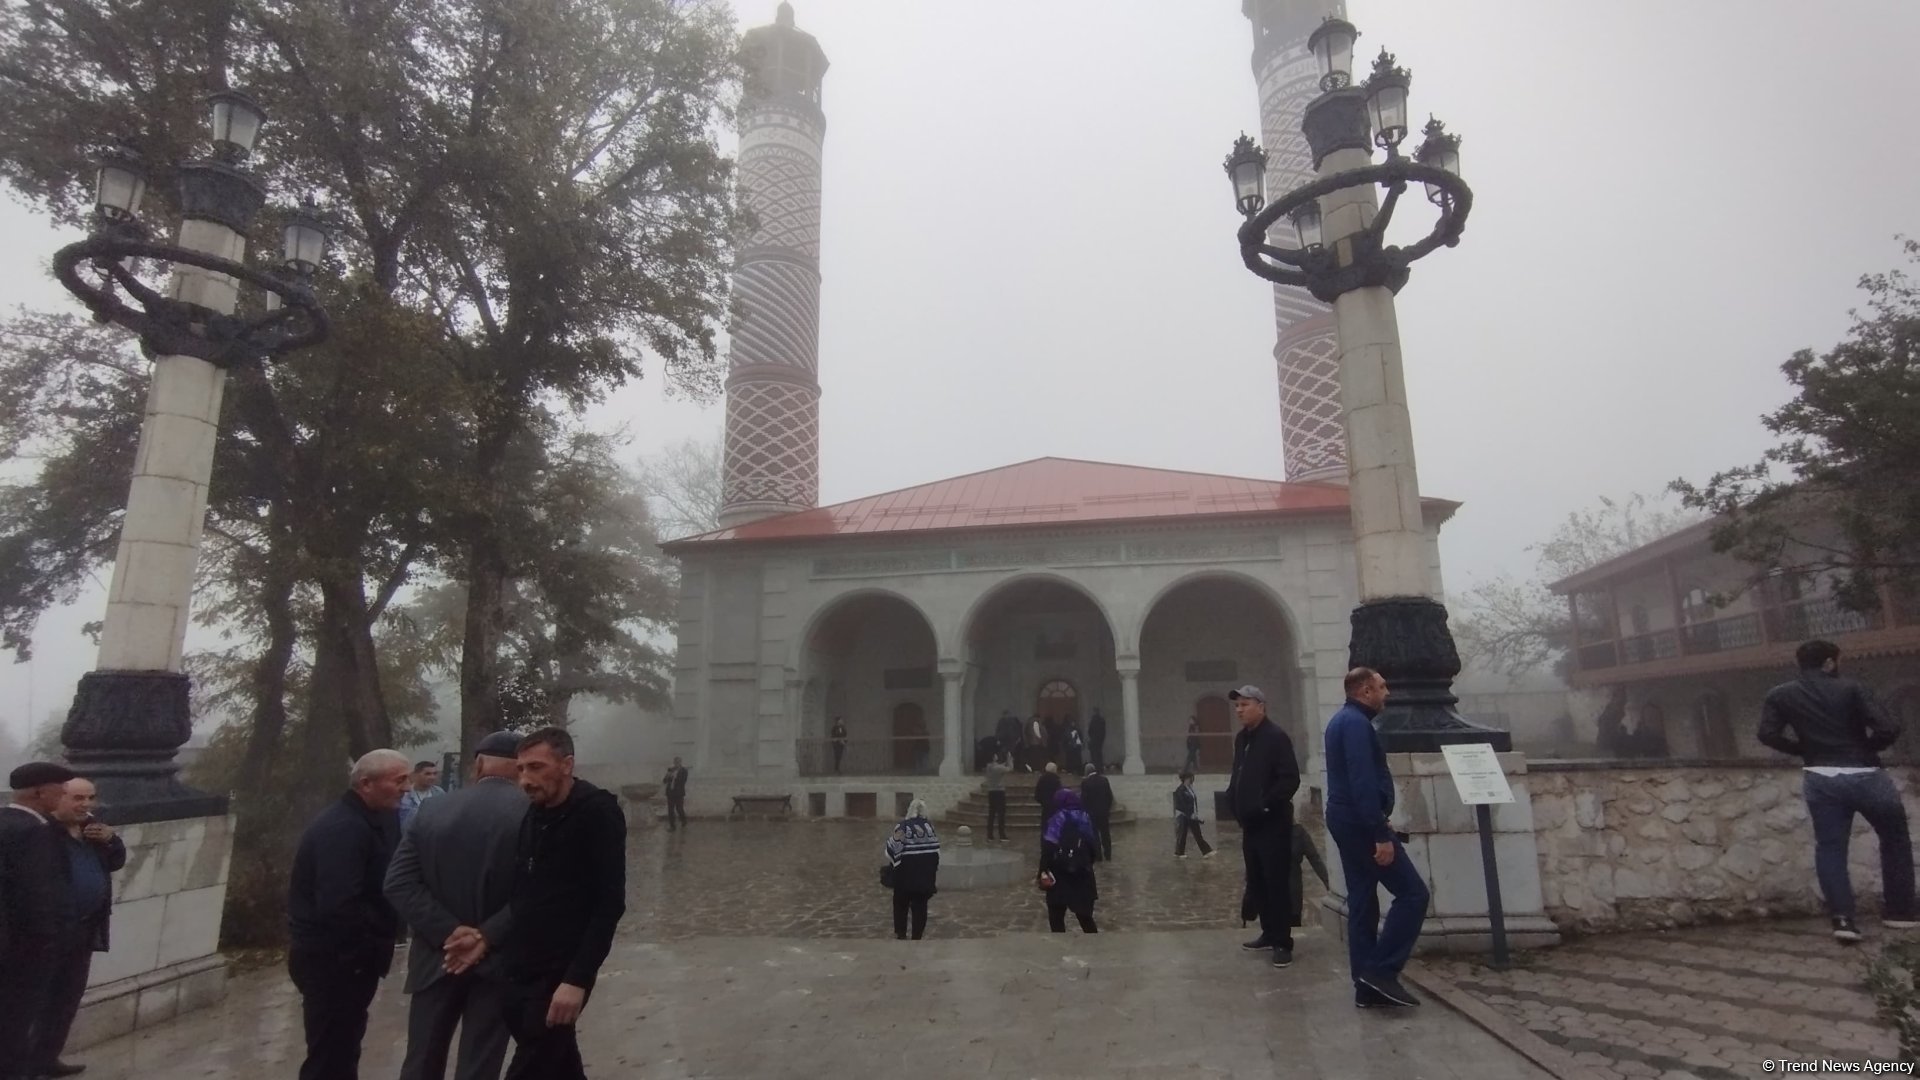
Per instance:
{"type": "Point", "coordinates": [766, 950]}
{"type": "Point", "coordinates": [1706, 1003]}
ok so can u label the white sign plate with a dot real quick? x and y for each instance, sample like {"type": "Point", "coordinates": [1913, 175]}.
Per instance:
{"type": "Point", "coordinates": [1477, 775]}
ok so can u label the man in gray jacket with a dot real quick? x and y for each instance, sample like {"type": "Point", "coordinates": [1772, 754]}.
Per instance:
{"type": "Point", "coordinates": [451, 877]}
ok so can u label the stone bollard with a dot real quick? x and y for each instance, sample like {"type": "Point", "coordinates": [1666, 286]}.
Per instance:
{"type": "Point", "coordinates": [965, 837]}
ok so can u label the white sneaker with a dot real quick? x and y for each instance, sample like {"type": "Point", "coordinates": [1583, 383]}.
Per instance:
{"type": "Point", "coordinates": [1209, 854]}
{"type": "Point", "coordinates": [1900, 924]}
{"type": "Point", "coordinates": [1179, 856]}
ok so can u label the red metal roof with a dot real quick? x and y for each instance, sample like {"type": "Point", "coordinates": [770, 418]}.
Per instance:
{"type": "Point", "coordinates": [1044, 491]}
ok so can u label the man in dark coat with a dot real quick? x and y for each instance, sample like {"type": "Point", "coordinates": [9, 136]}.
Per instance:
{"type": "Point", "coordinates": [1096, 794]}
{"type": "Point", "coordinates": [1044, 788]}
{"type": "Point", "coordinates": [1265, 777]}
{"type": "Point", "coordinates": [452, 876]}
{"type": "Point", "coordinates": [1097, 740]}
{"type": "Point", "coordinates": [569, 892]}
{"type": "Point", "coordinates": [340, 928]}
{"type": "Point", "coordinates": [34, 882]}
{"type": "Point", "coordinates": [94, 854]}
{"type": "Point", "coordinates": [1007, 733]}
{"type": "Point", "coordinates": [676, 788]}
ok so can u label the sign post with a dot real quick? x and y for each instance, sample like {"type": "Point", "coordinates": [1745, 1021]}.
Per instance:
{"type": "Point", "coordinates": [1481, 782]}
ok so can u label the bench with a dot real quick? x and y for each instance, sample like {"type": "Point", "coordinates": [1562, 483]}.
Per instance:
{"type": "Point", "coordinates": [762, 804]}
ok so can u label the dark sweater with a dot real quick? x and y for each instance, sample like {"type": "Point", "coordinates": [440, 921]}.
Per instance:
{"type": "Point", "coordinates": [1826, 720]}
{"type": "Point", "coordinates": [336, 904]}
{"type": "Point", "coordinates": [569, 888]}
{"type": "Point", "coordinates": [1359, 787]}
{"type": "Point", "coordinates": [1265, 777]}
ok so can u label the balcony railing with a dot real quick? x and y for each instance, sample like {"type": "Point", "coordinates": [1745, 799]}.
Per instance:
{"type": "Point", "coordinates": [914, 755]}
{"type": "Point", "coordinates": [1776, 624]}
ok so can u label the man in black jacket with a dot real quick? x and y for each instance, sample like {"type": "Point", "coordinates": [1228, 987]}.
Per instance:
{"type": "Point", "coordinates": [1096, 795]}
{"type": "Point", "coordinates": [1097, 740]}
{"type": "Point", "coordinates": [1835, 727]}
{"type": "Point", "coordinates": [1044, 788]}
{"type": "Point", "coordinates": [569, 891]}
{"type": "Point", "coordinates": [34, 881]}
{"type": "Point", "coordinates": [676, 788]}
{"type": "Point", "coordinates": [1265, 778]}
{"type": "Point", "coordinates": [340, 928]}
{"type": "Point", "coordinates": [94, 854]}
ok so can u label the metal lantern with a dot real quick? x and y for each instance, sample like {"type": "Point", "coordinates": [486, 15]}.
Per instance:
{"type": "Point", "coordinates": [1440, 149]}
{"type": "Point", "coordinates": [1306, 222]}
{"type": "Point", "coordinates": [236, 123]}
{"type": "Point", "coordinates": [304, 241]}
{"type": "Point", "coordinates": [1332, 47]}
{"type": "Point", "coordinates": [1247, 168]}
{"type": "Point", "coordinates": [1387, 100]}
{"type": "Point", "coordinates": [119, 185]}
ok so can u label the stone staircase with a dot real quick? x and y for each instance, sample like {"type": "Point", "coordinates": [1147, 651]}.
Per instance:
{"type": "Point", "coordinates": [1022, 812]}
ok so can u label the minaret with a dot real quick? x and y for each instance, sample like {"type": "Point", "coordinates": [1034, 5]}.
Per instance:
{"type": "Point", "coordinates": [772, 459]}
{"type": "Point", "coordinates": [1311, 430]}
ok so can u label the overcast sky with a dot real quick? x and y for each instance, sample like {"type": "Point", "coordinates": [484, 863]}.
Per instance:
{"type": "Point", "coordinates": [1028, 246]}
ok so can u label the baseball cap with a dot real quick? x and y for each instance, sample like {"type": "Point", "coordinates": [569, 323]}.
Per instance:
{"type": "Point", "coordinates": [499, 744]}
{"type": "Point", "coordinates": [39, 774]}
{"type": "Point", "coordinates": [1249, 691]}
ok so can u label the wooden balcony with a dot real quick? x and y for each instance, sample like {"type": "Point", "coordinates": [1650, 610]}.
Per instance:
{"type": "Point", "coordinates": [1754, 639]}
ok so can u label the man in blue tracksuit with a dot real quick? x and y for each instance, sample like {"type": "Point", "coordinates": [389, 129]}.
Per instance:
{"type": "Point", "coordinates": [1359, 802]}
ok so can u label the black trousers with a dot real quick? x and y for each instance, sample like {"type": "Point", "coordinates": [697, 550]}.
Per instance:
{"type": "Point", "coordinates": [839, 751]}
{"type": "Point", "coordinates": [905, 904]}
{"type": "Point", "coordinates": [1103, 831]}
{"type": "Point", "coordinates": [1268, 850]}
{"type": "Point", "coordinates": [26, 969]}
{"type": "Point", "coordinates": [335, 992]}
{"type": "Point", "coordinates": [471, 1003]}
{"type": "Point", "coordinates": [997, 811]}
{"type": "Point", "coordinates": [541, 1052]}
{"type": "Point", "coordinates": [1184, 827]}
{"type": "Point", "coordinates": [70, 961]}
{"type": "Point", "coordinates": [1057, 918]}
{"type": "Point", "coordinates": [1097, 753]}
{"type": "Point", "coordinates": [676, 807]}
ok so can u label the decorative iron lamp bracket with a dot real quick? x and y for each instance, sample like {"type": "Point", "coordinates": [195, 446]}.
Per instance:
{"type": "Point", "coordinates": [1363, 259]}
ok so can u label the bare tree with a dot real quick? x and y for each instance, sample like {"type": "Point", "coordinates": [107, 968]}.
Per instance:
{"type": "Point", "coordinates": [682, 486]}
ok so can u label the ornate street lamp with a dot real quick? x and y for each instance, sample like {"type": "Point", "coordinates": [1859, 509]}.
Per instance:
{"type": "Point", "coordinates": [130, 715]}
{"type": "Point", "coordinates": [1400, 627]}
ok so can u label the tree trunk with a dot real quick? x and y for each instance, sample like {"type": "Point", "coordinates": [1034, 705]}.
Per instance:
{"type": "Point", "coordinates": [486, 568]}
{"type": "Point", "coordinates": [270, 670]}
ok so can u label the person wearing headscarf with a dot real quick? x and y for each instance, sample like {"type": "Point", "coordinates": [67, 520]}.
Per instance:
{"type": "Point", "coordinates": [913, 850]}
{"type": "Point", "coordinates": [1068, 850]}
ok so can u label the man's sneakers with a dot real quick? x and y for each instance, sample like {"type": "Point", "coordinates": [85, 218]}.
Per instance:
{"type": "Point", "coordinates": [1180, 855]}
{"type": "Point", "coordinates": [1907, 923]}
{"type": "Point", "coordinates": [1387, 988]}
{"type": "Point", "coordinates": [1282, 958]}
{"type": "Point", "coordinates": [1366, 997]}
{"type": "Point", "coordinates": [1206, 854]}
{"type": "Point", "coordinates": [1844, 930]}
{"type": "Point", "coordinates": [1257, 944]}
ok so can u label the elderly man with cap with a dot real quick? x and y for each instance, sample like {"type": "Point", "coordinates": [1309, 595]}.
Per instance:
{"type": "Point", "coordinates": [1265, 777]}
{"type": "Point", "coordinates": [451, 880]}
{"type": "Point", "coordinates": [94, 853]}
{"type": "Point", "coordinates": [35, 882]}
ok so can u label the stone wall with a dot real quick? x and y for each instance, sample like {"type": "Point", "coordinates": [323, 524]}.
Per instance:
{"type": "Point", "coordinates": [166, 930]}
{"type": "Point", "coordinates": [1659, 845]}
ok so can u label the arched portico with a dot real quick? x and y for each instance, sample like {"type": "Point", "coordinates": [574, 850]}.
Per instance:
{"type": "Point", "coordinates": [1201, 636]}
{"type": "Point", "coordinates": [1024, 639]}
{"type": "Point", "coordinates": [869, 658]}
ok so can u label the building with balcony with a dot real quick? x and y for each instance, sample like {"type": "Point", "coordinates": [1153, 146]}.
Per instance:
{"type": "Point", "coordinates": [1688, 642]}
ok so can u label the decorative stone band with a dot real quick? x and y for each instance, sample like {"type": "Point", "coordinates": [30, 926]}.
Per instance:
{"type": "Point", "coordinates": [1405, 639]}
{"type": "Point", "coordinates": [882, 563]}
{"type": "Point", "coordinates": [122, 733]}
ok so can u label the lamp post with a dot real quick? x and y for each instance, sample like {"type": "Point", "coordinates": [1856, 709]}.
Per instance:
{"type": "Point", "coordinates": [130, 715]}
{"type": "Point", "coordinates": [1400, 627]}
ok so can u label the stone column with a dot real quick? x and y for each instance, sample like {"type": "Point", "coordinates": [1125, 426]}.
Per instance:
{"type": "Point", "coordinates": [1136, 764]}
{"type": "Point", "coordinates": [796, 720]}
{"type": "Point", "coordinates": [953, 675]}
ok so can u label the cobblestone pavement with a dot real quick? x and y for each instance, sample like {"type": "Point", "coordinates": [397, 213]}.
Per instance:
{"type": "Point", "coordinates": [1709, 1002]}
{"type": "Point", "coordinates": [820, 879]}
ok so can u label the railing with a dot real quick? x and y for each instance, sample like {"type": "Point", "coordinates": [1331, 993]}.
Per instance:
{"type": "Point", "coordinates": [1783, 623]}
{"type": "Point", "coordinates": [1167, 754]}
{"type": "Point", "coordinates": [914, 755]}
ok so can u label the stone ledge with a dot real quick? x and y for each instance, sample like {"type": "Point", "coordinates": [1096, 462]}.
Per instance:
{"type": "Point", "coordinates": [126, 1005]}
{"type": "Point", "coordinates": [1535, 1049]}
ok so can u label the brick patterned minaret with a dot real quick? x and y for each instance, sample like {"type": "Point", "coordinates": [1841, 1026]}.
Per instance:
{"type": "Point", "coordinates": [1311, 430]}
{"type": "Point", "coordinates": [772, 458]}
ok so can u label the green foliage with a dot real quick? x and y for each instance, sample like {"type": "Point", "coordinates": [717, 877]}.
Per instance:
{"type": "Point", "coordinates": [1894, 979]}
{"type": "Point", "coordinates": [1839, 495]}
{"type": "Point", "coordinates": [1516, 626]}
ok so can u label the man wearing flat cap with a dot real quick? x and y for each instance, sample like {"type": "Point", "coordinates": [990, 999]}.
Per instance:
{"type": "Point", "coordinates": [450, 881]}
{"type": "Point", "coordinates": [1265, 777]}
{"type": "Point", "coordinates": [34, 886]}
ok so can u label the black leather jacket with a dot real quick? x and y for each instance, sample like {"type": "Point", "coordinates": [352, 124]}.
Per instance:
{"type": "Point", "coordinates": [1826, 720]}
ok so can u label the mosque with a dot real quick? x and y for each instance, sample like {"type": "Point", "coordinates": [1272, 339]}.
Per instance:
{"type": "Point", "coordinates": [1052, 587]}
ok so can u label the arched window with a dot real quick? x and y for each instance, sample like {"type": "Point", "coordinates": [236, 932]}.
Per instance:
{"type": "Point", "coordinates": [1057, 699]}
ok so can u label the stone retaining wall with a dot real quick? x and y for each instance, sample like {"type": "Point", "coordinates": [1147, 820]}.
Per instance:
{"type": "Point", "coordinates": [1670, 844]}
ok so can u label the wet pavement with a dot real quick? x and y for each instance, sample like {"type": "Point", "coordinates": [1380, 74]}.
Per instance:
{"type": "Point", "coordinates": [766, 951]}
{"type": "Point", "coordinates": [1711, 1003]}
